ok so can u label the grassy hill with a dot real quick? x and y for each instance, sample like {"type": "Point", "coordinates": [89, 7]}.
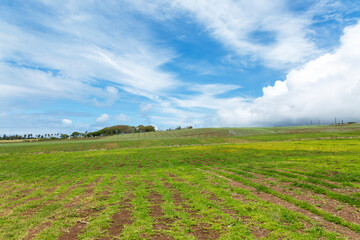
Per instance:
{"type": "Point", "coordinates": [237, 132]}
{"type": "Point", "coordinates": [237, 183]}
{"type": "Point", "coordinates": [185, 137]}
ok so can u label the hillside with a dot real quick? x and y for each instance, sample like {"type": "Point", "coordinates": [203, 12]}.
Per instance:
{"type": "Point", "coordinates": [200, 136]}
{"type": "Point", "coordinates": [237, 132]}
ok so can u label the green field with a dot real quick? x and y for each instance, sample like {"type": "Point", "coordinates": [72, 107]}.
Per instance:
{"type": "Point", "coordinates": [226, 183]}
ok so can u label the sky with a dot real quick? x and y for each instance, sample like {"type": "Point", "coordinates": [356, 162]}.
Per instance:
{"type": "Point", "coordinates": [83, 65]}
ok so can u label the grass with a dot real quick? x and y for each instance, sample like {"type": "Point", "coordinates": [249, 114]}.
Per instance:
{"type": "Point", "coordinates": [184, 187]}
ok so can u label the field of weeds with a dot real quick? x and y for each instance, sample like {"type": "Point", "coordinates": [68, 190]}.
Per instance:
{"type": "Point", "coordinates": [308, 189]}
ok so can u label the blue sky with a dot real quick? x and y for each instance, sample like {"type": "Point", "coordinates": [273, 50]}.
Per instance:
{"type": "Point", "coordinates": [83, 65]}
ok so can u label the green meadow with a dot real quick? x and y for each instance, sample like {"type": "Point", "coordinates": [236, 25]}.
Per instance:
{"type": "Point", "coordinates": [219, 183]}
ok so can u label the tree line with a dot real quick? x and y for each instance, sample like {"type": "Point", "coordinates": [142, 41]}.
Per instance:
{"type": "Point", "coordinates": [119, 129]}
{"type": "Point", "coordinates": [34, 136]}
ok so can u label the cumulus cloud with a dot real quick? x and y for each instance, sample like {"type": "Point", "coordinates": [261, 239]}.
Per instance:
{"type": "Point", "coordinates": [66, 122]}
{"type": "Point", "coordinates": [103, 118]}
{"type": "Point", "coordinates": [322, 89]}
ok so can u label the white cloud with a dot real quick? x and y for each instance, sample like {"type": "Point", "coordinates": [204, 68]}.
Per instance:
{"type": "Point", "coordinates": [66, 122]}
{"type": "Point", "coordinates": [322, 89]}
{"type": "Point", "coordinates": [242, 26]}
{"type": "Point", "coordinates": [208, 97]}
{"type": "Point", "coordinates": [122, 117]}
{"type": "Point", "coordinates": [145, 107]}
{"type": "Point", "coordinates": [78, 49]}
{"type": "Point", "coordinates": [103, 118]}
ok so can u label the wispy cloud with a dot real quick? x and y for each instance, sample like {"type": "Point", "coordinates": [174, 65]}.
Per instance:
{"type": "Point", "coordinates": [58, 49]}
{"type": "Point", "coordinates": [264, 30]}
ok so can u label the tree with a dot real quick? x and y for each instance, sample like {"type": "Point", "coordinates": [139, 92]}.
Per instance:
{"type": "Point", "coordinates": [77, 134]}
{"type": "Point", "coordinates": [142, 128]}
{"type": "Point", "coordinates": [64, 136]}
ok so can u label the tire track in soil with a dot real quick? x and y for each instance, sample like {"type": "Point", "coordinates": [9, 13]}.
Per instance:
{"type": "Point", "coordinates": [122, 218]}
{"type": "Point", "coordinates": [328, 226]}
{"type": "Point", "coordinates": [200, 231]}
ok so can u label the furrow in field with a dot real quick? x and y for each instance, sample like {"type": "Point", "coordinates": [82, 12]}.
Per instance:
{"type": "Point", "coordinates": [160, 222]}
{"type": "Point", "coordinates": [25, 199]}
{"type": "Point", "coordinates": [200, 230]}
{"type": "Point", "coordinates": [343, 189]}
{"type": "Point", "coordinates": [85, 214]}
{"type": "Point", "coordinates": [286, 171]}
{"type": "Point", "coordinates": [24, 196]}
{"type": "Point", "coordinates": [122, 218]}
{"type": "Point", "coordinates": [345, 211]}
{"type": "Point", "coordinates": [305, 185]}
{"type": "Point", "coordinates": [80, 226]}
{"type": "Point", "coordinates": [229, 210]}
{"type": "Point", "coordinates": [36, 230]}
{"type": "Point", "coordinates": [318, 180]}
{"type": "Point", "coordinates": [329, 226]}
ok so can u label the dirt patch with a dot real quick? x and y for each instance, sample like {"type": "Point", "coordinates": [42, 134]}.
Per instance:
{"type": "Point", "coordinates": [85, 213]}
{"type": "Point", "coordinates": [156, 200]}
{"type": "Point", "coordinates": [76, 201]}
{"type": "Point", "coordinates": [35, 231]}
{"type": "Point", "coordinates": [203, 231]}
{"type": "Point", "coordinates": [172, 175]}
{"type": "Point", "coordinates": [241, 198]}
{"type": "Point", "coordinates": [7, 210]}
{"type": "Point", "coordinates": [79, 227]}
{"type": "Point", "coordinates": [104, 195]}
{"type": "Point", "coordinates": [122, 218]}
{"type": "Point", "coordinates": [260, 232]}
{"type": "Point", "coordinates": [76, 185]}
{"type": "Point", "coordinates": [160, 223]}
{"type": "Point", "coordinates": [22, 194]}
{"type": "Point", "coordinates": [73, 232]}
{"type": "Point", "coordinates": [32, 211]}
{"type": "Point", "coordinates": [161, 237]}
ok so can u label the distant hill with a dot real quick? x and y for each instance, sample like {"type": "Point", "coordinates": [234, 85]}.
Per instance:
{"type": "Point", "coordinates": [120, 129]}
{"type": "Point", "coordinates": [239, 132]}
